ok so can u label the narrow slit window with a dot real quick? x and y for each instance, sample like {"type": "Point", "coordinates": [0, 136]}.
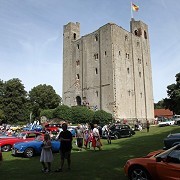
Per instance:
{"type": "Point", "coordinates": [105, 53]}
{"type": "Point", "coordinates": [77, 76]}
{"type": "Point", "coordinates": [139, 74]}
{"type": "Point", "coordinates": [128, 70]}
{"type": "Point", "coordinates": [96, 71]}
{"type": "Point", "coordinates": [74, 36]}
{"type": "Point", "coordinates": [97, 93]}
{"type": "Point", "coordinates": [78, 46]}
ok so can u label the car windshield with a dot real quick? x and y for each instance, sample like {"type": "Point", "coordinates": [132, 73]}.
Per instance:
{"type": "Point", "coordinates": [21, 135]}
{"type": "Point", "coordinates": [165, 153]}
{"type": "Point", "coordinates": [39, 138]}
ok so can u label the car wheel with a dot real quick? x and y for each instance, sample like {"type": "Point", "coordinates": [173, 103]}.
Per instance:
{"type": "Point", "coordinates": [138, 172]}
{"type": "Point", "coordinates": [6, 148]}
{"type": "Point", "coordinates": [29, 152]}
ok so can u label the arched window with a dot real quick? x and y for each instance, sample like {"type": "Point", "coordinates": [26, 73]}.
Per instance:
{"type": "Point", "coordinates": [78, 100]}
{"type": "Point", "coordinates": [136, 32]}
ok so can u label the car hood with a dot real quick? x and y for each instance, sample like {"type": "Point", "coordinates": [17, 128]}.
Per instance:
{"type": "Point", "coordinates": [27, 143]}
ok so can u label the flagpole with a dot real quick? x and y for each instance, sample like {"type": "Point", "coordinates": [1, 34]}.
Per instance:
{"type": "Point", "coordinates": [131, 11]}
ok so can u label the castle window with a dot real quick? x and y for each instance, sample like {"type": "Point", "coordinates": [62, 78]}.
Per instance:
{"type": "Point", "coordinates": [96, 71]}
{"type": "Point", "coordinates": [96, 37]}
{"type": "Point", "coordinates": [129, 92]}
{"type": "Point", "coordinates": [105, 53]}
{"type": "Point", "coordinates": [139, 61]}
{"type": "Point", "coordinates": [141, 94]}
{"type": "Point", "coordinates": [96, 56]}
{"type": "Point", "coordinates": [119, 53]}
{"type": "Point", "coordinates": [74, 35]}
{"type": "Point", "coordinates": [78, 46]}
{"type": "Point", "coordinates": [97, 93]}
{"type": "Point", "coordinates": [128, 70]}
{"type": "Point", "coordinates": [77, 63]}
{"type": "Point", "coordinates": [127, 55]}
{"type": "Point", "coordinates": [77, 76]}
{"type": "Point", "coordinates": [136, 32]}
{"type": "Point", "coordinates": [126, 38]}
{"type": "Point", "coordinates": [145, 35]}
{"type": "Point", "coordinates": [139, 74]}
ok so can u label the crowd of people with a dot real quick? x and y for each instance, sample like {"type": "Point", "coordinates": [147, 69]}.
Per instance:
{"type": "Point", "coordinates": [85, 137]}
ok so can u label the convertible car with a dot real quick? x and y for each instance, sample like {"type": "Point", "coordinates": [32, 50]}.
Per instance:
{"type": "Point", "coordinates": [162, 165]}
{"type": "Point", "coordinates": [7, 143]}
{"type": "Point", "coordinates": [32, 148]}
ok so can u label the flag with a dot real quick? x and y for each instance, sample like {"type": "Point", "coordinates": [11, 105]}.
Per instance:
{"type": "Point", "coordinates": [135, 7]}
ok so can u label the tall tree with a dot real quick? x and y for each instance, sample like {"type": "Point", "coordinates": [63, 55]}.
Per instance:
{"type": "Point", "coordinates": [43, 97]}
{"type": "Point", "coordinates": [159, 105]}
{"type": "Point", "coordinates": [13, 101]}
{"type": "Point", "coordinates": [173, 92]}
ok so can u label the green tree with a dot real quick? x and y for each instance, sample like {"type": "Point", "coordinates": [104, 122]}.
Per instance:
{"type": "Point", "coordinates": [102, 117]}
{"type": "Point", "coordinates": [62, 112]}
{"type": "Point", "coordinates": [48, 113]}
{"type": "Point", "coordinates": [159, 105]}
{"type": "Point", "coordinates": [13, 101]}
{"type": "Point", "coordinates": [173, 93]}
{"type": "Point", "coordinates": [43, 97]}
{"type": "Point", "coordinates": [81, 114]}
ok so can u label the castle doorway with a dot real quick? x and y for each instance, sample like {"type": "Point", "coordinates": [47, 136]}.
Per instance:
{"type": "Point", "coordinates": [78, 100]}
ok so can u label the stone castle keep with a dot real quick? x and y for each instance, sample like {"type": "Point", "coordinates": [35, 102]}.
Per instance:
{"type": "Point", "coordinates": [109, 69]}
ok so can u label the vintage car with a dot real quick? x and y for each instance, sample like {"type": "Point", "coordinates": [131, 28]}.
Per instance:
{"type": "Point", "coordinates": [7, 143]}
{"type": "Point", "coordinates": [171, 140]}
{"type": "Point", "coordinates": [118, 131]}
{"type": "Point", "coordinates": [166, 122]}
{"type": "Point", "coordinates": [156, 165]}
{"type": "Point", "coordinates": [52, 127]}
{"type": "Point", "coordinates": [32, 148]}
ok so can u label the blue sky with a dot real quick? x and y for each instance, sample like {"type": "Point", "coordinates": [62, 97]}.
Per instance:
{"type": "Point", "coordinates": [31, 33]}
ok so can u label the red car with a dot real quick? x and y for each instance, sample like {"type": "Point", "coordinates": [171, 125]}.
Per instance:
{"type": "Point", "coordinates": [52, 127]}
{"type": "Point", "coordinates": [7, 143]}
{"type": "Point", "coordinates": [161, 165]}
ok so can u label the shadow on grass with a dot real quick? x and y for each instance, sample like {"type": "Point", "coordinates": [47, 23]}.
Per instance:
{"type": "Point", "coordinates": [106, 164]}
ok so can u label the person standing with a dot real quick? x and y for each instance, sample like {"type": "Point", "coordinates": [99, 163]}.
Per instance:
{"type": "Point", "coordinates": [79, 136]}
{"type": "Point", "coordinates": [65, 138]}
{"type": "Point", "coordinates": [147, 125]}
{"type": "Point", "coordinates": [46, 154]}
{"type": "Point", "coordinates": [96, 138]}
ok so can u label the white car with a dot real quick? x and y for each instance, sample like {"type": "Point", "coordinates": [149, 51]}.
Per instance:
{"type": "Point", "coordinates": [167, 122]}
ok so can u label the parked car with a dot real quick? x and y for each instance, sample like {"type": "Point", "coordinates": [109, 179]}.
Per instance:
{"type": "Point", "coordinates": [166, 122]}
{"type": "Point", "coordinates": [72, 130]}
{"type": "Point", "coordinates": [156, 165]}
{"type": "Point", "coordinates": [32, 148]}
{"type": "Point", "coordinates": [118, 131]}
{"type": "Point", "coordinates": [7, 143]}
{"type": "Point", "coordinates": [52, 127]}
{"type": "Point", "coordinates": [171, 140]}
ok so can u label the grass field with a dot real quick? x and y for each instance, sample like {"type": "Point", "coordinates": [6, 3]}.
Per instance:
{"type": "Point", "coordinates": [89, 165]}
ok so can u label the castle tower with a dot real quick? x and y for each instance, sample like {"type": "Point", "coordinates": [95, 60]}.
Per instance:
{"type": "Point", "coordinates": [71, 34]}
{"type": "Point", "coordinates": [109, 69]}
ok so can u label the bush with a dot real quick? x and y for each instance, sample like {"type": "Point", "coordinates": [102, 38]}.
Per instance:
{"type": "Point", "coordinates": [81, 114]}
{"type": "Point", "coordinates": [102, 117]}
{"type": "Point", "coordinates": [62, 112]}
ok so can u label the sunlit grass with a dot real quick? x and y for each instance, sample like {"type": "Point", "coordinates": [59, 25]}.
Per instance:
{"type": "Point", "coordinates": [106, 164]}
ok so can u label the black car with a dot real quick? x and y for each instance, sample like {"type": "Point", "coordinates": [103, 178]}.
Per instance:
{"type": "Point", "coordinates": [118, 131]}
{"type": "Point", "coordinates": [171, 140]}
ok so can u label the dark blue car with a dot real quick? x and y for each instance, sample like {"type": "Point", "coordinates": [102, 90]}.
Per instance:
{"type": "Point", "coordinates": [29, 149]}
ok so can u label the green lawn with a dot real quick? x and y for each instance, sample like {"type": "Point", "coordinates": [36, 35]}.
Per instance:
{"type": "Point", "coordinates": [100, 165]}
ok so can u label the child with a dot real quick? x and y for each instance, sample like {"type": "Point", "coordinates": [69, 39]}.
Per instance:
{"type": "Point", "coordinates": [46, 154]}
